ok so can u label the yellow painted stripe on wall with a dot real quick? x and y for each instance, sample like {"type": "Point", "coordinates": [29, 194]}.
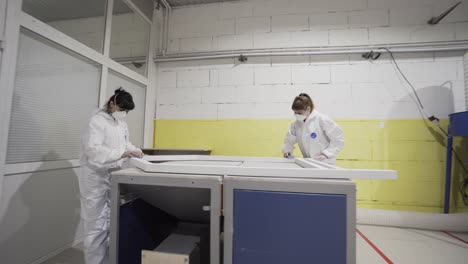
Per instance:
{"type": "Point", "coordinates": [408, 146]}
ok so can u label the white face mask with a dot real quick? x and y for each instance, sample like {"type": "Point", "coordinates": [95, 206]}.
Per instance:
{"type": "Point", "coordinates": [119, 115]}
{"type": "Point", "coordinates": [302, 117]}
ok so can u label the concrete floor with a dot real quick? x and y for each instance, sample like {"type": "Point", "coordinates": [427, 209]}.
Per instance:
{"type": "Point", "coordinates": [374, 245]}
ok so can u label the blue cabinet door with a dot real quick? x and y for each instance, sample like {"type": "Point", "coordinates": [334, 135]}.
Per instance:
{"type": "Point", "coordinates": [289, 228]}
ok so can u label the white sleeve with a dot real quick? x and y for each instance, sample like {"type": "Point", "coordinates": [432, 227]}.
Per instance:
{"type": "Point", "coordinates": [336, 136]}
{"type": "Point", "coordinates": [94, 149]}
{"type": "Point", "coordinates": [290, 140]}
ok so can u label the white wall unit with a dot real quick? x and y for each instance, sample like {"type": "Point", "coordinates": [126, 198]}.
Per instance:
{"type": "Point", "coordinates": [55, 92]}
{"type": "Point", "coordinates": [39, 206]}
{"type": "Point", "coordinates": [30, 191]}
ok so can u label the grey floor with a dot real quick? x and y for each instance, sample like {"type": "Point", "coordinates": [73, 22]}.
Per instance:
{"type": "Point", "coordinates": [73, 255]}
{"type": "Point", "coordinates": [373, 245]}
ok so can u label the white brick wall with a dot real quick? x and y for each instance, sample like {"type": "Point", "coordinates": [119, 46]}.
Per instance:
{"type": "Point", "coordinates": [181, 96]}
{"type": "Point", "coordinates": [442, 32]}
{"type": "Point", "coordinates": [375, 18]}
{"type": "Point", "coordinates": [430, 71]}
{"type": "Point", "coordinates": [235, 10]}
{"type": "Point", "coordinates": [293, 23]}
{"type": "Point", "coordinates": [234, 76]}
{"type": "Point", "coordinates": [342, 86]}
{"type": "Point", "coordinates": [383, 35]}
{"type": "Point", "coordinates": [253, 25]}
{"type": "Point", "coordinates": [204, 29]}
{"type": "Point", "coordinates": [460, 14]}
{"type": "Point", "coordinates": [376, 93]}
{"type": "Point", "coordinates": [273, 75]}
{"type": "Point", "coordinates": [346, 5]}
{"type": "Point", "coordinates": [229, 111]}
{"type": "Point", "coordinates": [233, 42]}
{"type": "Point", "coordinates": [410, 16]}
{"type": "Point", "coordinates": [352, 73]}
{"type": "Point", "coordinates": [310, 74]}
{"type": "Point", "coordinates": [284, 23]}
{"type": "Point", "coordinates": [399, 3]}
{"type": "Point", "coordinates": [193, 78]}
{"type": "Point", "coordinates": [266, 94]}
{"type": "Point", "coordinates": [272, 7]}
{"type": "Point", "coordinates": [194, 111]}
{"type": "Point", "coordinates": [173, 45]}
{"type": "Point", "coordinates": [306, 38]}
{"type": "Point", "coordinates": [195, 44]}
{"type": "Point", "coordinates": [461, 31]}
{"type": "Point", "coordinates": [272, 40]}
{"type": "Point", "coordinates": [347, 37]}
{"type": "Point", "coordinates": [167, 79]}
{"type": "Point", "coordinates": [328, 20]}
{"type": "Point", "coordinates": [219, 95]}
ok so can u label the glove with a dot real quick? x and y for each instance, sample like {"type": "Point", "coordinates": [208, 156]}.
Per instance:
{"type": "Point", "coordinates": [135, 153]}
{"type": "Point", "coordinates": [320, 157]}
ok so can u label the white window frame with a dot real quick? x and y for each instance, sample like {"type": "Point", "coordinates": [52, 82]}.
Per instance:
{"type": "Point", "coordinates": [17, 19]}
{"type": "Point", "coordinates": [7, 77]}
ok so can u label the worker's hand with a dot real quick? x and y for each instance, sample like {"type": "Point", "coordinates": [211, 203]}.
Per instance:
{"type": "Point", "coordinates": [286, 155]}
{"type": "Point", "coordinates": [127, 154]}
{"type": "Point", "coordinates": [320, 157]}
{"type": "Point", "coordinates": [136, 153]}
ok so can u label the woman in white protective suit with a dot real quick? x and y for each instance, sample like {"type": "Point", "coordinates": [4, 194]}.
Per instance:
{"type": "Point", "coordinates": [105, 145]}
{"type": "Point", "coordinates": [318, 136]}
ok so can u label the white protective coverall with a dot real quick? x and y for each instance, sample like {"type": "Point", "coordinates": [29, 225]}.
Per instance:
{"type": "Point", "coordinates": [317, 135]}
{"type": "Point", "coordinates": [102, 144]}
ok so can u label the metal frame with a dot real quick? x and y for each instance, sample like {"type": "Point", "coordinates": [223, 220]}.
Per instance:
{"type": "Point", "coordinates": [137, 10]}
{"type": "Point", "coordinates": [165, 31]}
{"type": "Point", "coordinates": [20, 168]}
{"type": "Point", "coordinates": [150, 105]}
{"type": "Point", "coordinates": [50, 33]}
{"type": "Point", "coordinates": [303, 51]}
{"type": "Point", "coordinates": [289, 185]}
{"type": "Point", "coordinates": [191, 181]}
{"type": "Point", "coordinates": [7, 77]}
{"type": "Point", "coordinates": [2, 21]}
{"type": "Point", "coordinates": [17, 19]}
{"type": "Point", "coordinates": [310, 169]}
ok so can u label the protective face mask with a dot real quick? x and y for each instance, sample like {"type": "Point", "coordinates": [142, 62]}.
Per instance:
{"type": "Point", "coordinates": [303, 116]}
{"type": "Point", "coordinates": [119, 115]}
{"type": "Point", "coordinates": [300, 117]}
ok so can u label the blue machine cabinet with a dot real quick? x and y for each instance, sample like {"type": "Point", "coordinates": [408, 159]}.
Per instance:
{"type": "Point", "coordinates": [458, 127]}
{"type": "Point", "coordinates": [283, 227]}
{"type": "Point", "coordinates": [279, 221]}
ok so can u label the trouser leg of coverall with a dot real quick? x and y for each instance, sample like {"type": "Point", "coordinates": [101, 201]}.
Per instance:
{"type": "Point", "coordinates": [95, 208]}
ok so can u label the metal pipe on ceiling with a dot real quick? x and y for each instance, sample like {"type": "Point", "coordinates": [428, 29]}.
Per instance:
{"type": "Point", "coordinates": [403, 47]}
{"type": "Point", "coordinates": [167, 11]}
{"type": "Point", "coordinates": [462, 46]}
